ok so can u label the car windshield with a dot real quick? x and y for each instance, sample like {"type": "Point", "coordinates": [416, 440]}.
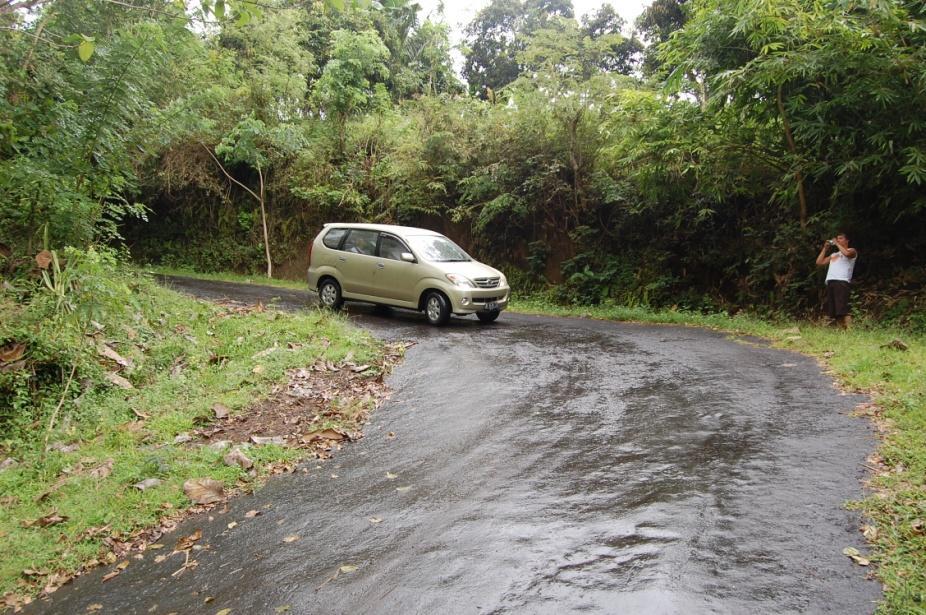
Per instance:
{"type": "Point", "coordinates": [437, 248]}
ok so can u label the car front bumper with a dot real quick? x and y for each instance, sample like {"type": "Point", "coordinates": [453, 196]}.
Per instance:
{"type": "Point", "coordinates": [472, 300]}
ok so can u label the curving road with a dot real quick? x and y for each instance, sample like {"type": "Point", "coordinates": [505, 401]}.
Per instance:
{"type": "Point", "coordinates": [552, 466]}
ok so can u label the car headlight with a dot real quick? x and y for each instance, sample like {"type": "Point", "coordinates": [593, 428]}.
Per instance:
{"type": "Point", "coordinates": [503, 281]}
{"type": "Point", "coordinates": [461, 281]}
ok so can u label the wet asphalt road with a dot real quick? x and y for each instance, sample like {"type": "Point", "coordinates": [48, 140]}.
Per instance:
{"type": "Point", "coordinates": [553, 466]}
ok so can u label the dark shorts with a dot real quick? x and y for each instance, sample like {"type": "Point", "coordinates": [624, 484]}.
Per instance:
{"type": "Point", "coordinates": [837, 299]}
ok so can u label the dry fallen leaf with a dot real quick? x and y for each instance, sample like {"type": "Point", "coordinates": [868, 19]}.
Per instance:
{"type": "Point", "coordinates": [148, 483]}
{"type": "Point", "coordinates": [282, 609]}
{"type": "Point", "coordinates": [43, 259]}
{"type": "Point", "coordinates": [223, 612]}
{"type": "Point", "coordinates": [896, 344]}
{"type": "Point", "coordinates": [103, 470]}
{"type": "Point", "coordinates": [325, 434]}
{"type": "Point", "coordinates": [204, 490]}
{"type": "Point", "coordinates": [252, 513]}
{"type": "Point", "coordinates": [258, 369]}
{"type": "Point", "coordinates": [238, 458]}
{"type": "Point", "coordinates": [402, 489]}
{"type": "Point", "coordinates": [93, 608]}
{"type": "Point", "coordinates": [119, 381]}
{"type": "Point", "coordinates": [109, 353]}
{"type": "Point", "coordinates": [348, 568]}
{"type": "Point", "coordinates": [159, 558]}
{"type": "Point", "coordinates": [291, 538]}
{"type": "Point", "coordinates": [220, 411]}
{"type": "Point", "coordinates": [390, 435]}
{"type": "Point", "coordinates": [391, 476]}
{"type": "Point", "coordinates": [232, 525]}
{"type": "Point", "coordinates": [855, 556]}
{"type": "Point", "coordinates": [186, 542]}
{"type": "Point", "coordinates": [264, 353]}
{"type": "Point", "coordinates": [278, 440]}
{"type": "Point", "coordinates": [55, 487]}
{"type": "Point", "coordinates": [46, 521]}
{"type": "Point", "coordinates": [12, 352]}
{"type": "Point", "coordinates": [375, 520]}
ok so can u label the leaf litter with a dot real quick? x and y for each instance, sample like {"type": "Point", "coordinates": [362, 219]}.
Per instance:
{"type": "Point", "coordinates": [318, 409]}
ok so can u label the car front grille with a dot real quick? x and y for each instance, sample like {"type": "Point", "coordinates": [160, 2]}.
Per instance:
{"type": "Point", "coordinates": [486, 282]}
{"type": "Point", "coordinates": [485, 299]}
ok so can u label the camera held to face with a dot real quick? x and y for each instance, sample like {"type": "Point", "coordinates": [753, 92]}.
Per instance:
{"type": "Point", "coordinates": [831, 242]}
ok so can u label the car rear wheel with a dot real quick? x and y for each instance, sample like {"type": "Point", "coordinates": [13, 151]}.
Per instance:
{"type": "Point", "coordinates": [437, 309]}
{"type": "Point", "coordinates": [488, 316]}
{"type": "Point", "coordinates": [329, 294]}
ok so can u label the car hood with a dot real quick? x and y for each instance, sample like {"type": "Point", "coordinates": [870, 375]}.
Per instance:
{"type": "Point", "coordinates": [471, 269]}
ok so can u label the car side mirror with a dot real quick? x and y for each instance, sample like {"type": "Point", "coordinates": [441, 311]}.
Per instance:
{"type": "Point", "coordinates": [408, 257]}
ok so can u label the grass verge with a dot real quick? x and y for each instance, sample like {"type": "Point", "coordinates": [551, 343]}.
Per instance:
{"type": "Point", "coordinates": [864, 359]}
{"type": "Point", "coordinates": [98, 393]}
{"type": "Point", "coordinates": [226, 277]}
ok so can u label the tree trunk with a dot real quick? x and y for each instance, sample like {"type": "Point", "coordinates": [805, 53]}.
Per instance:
{"type": "Point", "coordinates": [258, 197]}
{"type": "Point", "coordinates": [576, 165]}
{"type": "Point", "coordinates": [263, 219]}
{"type": "Point", "coordinates": [798, 174]}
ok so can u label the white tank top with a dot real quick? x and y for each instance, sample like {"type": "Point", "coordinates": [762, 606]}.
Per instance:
{"type": "Point", "coordinates": [840, 267]}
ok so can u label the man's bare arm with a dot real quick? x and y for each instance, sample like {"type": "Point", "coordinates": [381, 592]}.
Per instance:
{"type": "Point", "coordinates": [823, 258]}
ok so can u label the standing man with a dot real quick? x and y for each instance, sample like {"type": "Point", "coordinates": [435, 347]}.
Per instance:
{"type": "Point", "coordinates": [838, 276]}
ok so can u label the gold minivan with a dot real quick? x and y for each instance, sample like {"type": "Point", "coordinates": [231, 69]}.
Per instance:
{"type": "Point", "coordinates": [402, 266]}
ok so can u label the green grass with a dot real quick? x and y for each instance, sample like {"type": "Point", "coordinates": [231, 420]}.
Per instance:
{"type": "Point", "coordinates": [226, 277]}
{"type": "Point", "coordinates": [859, 360]}
{"type": "Point", "coordinates": [173, 327]}
{"type": "Point", "coordinates": [215, 348]}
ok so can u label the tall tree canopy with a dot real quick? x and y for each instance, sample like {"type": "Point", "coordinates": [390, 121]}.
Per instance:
{"type": "Point", "coordinates": [694, 172]}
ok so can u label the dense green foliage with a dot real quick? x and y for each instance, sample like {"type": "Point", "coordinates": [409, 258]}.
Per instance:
{"type": "Point", "coordinates": [758, 129]}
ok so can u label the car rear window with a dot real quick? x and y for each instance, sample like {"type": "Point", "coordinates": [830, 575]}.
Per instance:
{"type": "Point", "coordinates": [333, 238]}
{"type": "Point", "coordinates": [361, 242]}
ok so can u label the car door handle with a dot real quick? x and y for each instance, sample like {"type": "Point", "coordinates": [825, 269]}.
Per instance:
{"type": "Point", "coordinates": [380, 266]}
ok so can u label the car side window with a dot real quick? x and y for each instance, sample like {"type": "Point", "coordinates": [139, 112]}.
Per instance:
{"type": "Point", "coordinates": [333, 237]}
{"type": "Point", "coordinates": [361, 242]}
{"type": "Point", "coordinates": [391, 247]}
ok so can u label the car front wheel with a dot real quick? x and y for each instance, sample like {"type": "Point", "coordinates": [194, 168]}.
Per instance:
{"type": "Point", "coordinates": [437, 309]}
{"type": "Point", "coordinates": [329, 294]}
{"type": "Point", "coordinates": [488, 316]}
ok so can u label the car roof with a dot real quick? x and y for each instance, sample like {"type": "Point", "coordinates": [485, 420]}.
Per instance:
{"type": "Point", "coordinates": [385, 228]}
